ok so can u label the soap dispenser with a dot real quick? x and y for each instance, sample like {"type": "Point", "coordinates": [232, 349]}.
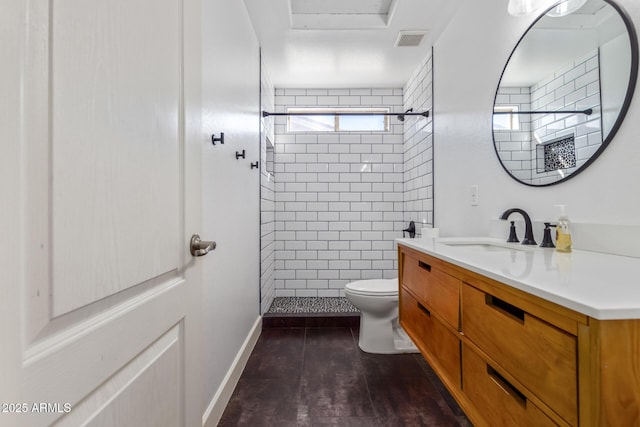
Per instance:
{"type": "Point", "coordinates": [563, 233]}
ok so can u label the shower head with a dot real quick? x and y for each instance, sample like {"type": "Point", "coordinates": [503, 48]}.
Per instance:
{"type": "Point", "coordinates": [401, 116]}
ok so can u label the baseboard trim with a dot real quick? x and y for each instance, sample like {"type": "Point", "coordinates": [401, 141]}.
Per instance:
{"type": "Point", "coordinates": [215, 409]}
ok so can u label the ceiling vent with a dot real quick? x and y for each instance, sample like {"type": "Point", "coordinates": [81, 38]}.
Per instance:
{"type": "Point", "coordinates": [409, 38]}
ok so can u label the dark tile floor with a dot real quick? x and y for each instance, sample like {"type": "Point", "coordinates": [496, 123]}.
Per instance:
{"type": "Point", "coordinates": [317, 376]}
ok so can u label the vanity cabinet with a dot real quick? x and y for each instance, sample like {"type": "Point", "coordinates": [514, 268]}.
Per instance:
{"type": "Point", "coordinates": [512, 358]}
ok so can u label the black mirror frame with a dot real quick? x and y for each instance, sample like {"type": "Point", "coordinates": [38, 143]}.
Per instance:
{"type": "Point", "coordinates": [633, 76]}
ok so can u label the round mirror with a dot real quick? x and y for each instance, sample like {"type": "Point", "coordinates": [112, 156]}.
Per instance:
{"type": "Point", "coordinates": [564, 92]}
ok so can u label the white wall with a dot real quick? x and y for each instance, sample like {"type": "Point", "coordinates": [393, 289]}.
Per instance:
{"type": "Point", "coordinates": [230, 99]}
{"type": "Point", "coordinates": [468, 59]}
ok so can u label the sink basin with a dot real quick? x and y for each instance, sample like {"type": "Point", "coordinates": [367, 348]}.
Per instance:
{"type": "Point", "coordinates": [485, 244]}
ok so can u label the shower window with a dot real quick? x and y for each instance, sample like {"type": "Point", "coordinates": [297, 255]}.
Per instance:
{"type": "Point", "coordinates": [506, 121]}
{"type": "Point", "coordinates": [326, 120]}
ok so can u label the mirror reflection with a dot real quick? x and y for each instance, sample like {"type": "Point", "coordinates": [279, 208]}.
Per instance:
{"type": "Point", "coordinates": [564, 93]}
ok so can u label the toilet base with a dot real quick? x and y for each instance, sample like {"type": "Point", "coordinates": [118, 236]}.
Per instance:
{"type": "Point", "coordinates": [388, 338]}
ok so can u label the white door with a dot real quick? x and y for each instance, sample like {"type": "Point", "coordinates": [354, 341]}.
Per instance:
{"type": "Point", "coordinates": [100, 178]}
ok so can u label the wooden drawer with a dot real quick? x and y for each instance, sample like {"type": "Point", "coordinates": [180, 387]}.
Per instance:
{"type": "Point", "coordinates": [497, 401]}
{"type": "Point", "coordinates": [541, 356]}
{"type": "Point", "coordinates": [436, 290]}
{"type": "Point", "coordinates": [442, 345]}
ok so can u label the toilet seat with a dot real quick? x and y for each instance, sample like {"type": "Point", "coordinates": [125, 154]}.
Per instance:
{"type": "Point", "coordinates": [373, 287]}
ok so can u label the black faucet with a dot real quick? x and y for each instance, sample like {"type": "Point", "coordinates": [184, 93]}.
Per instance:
{"type": "Point", "coordinates": [528, 228]}
{"type": "Point", "coordinates": [411, 230]}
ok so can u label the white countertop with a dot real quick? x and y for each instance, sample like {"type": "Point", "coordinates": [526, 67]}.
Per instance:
{"type": "Point", "coordinates": [599, 285]}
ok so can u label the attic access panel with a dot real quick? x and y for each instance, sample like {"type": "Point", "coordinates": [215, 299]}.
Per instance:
{"type": "Point", "coordinates": [341, 14]}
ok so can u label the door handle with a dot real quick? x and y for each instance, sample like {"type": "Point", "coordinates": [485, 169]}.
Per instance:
{"type": "Point", "coordinates": [201, 247]}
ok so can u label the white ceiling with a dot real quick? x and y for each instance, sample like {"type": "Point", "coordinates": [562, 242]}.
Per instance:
{"type": "Point", "coordinates": [344, 43]}
{"type": "Point", "coordinates": [555, 42]}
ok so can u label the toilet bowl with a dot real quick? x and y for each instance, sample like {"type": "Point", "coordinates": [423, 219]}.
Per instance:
{"type": "Point", "coordinates": [380, 331]}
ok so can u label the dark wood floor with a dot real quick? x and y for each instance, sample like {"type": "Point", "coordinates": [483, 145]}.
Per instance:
{"type": "Point", "coordinates": [317, 376]}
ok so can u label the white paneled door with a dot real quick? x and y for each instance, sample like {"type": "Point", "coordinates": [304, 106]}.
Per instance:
{"type": "Point", "coordinates": [101, 171]}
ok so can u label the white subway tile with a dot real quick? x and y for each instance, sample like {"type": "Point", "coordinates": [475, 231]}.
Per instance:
{"type": "Point", "coordinates": [328, 216]}
{"type": "Point", "coordinates": [339, 148]}
{"type": "Point", "coordinates": [317, 167]}
{"type": "Point", "coordinates": [294, 92]}
{"type": "Point", "coordinates": [317, 187]}
{"type": "Point", "coordinates": [317, 91]}
{"type": "Point", "coordinates": [360, 186]}
{"type": "Point", "coordinates": [329, 255]}
{"type": "Point", "coordinates": [371, 216]}
{"type": "Point", "coordinates": [338, 206]}
{"type": "Point", "coordinates": [361, 226]}
{"type": "Point", "coordinates": [361, 265]}
{"type": "Point", "coordinates": [306, 138]}
{"type": "Point", "coordinates": [340, 226]}
{"type": "Point", "coordinates": [307, 158]}
{"type": "Point", "coordinates": [328, 235]}
{"type": "Point", "coordinates": [360, 148]}
{"type": "Point", "coordinates": [373, 197]}
{"type": "Point", "coordinates": [339, 264]}
{"type": "Point", "coordinates": [295, 245]}
{"type": "Point", "coordinates": [328, 158]}
{"type": "Point", "coordinates": [285, 100]}
{"type": "Point", "coordinates": [350, 138]}
{"type": "Point", "coordinates": [359, 91]}
{"type": "Point", "coordinates": [328, 197]}
{"type": "Point", "coordinates": [329, 293]}
{"type": "Point", "coordinates": [371, 100]}
{"type": "Point", "coordinates": [350, 177]}
{"type": "Point", "coordinates": [346, 101]}
{"type": "Point", "coordinates": [328, 101]}
{"type": "Point", "coordinates": [341, 186]}
{"type": "Point", "coordinates": [317, 246]}
{"type": "Point", "coordinates": [392, 99]}
{"type": "Point", "coordinates": [378, 255]}
{"type": "Point", "coordinates": [350, 274]}
{"type": "Point", "coordinates": [350, 197]}
{"type": "Point", "coordinates": [382, 92]}
{"type": "Point", "coordinates": [320, 285]}
{"type": "Point", "coordinates": [349, 255]}
{"type": "Point", "coordinates": [328, 274]}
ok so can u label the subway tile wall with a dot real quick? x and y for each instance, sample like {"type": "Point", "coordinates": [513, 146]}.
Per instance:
{"type": "Point", "coordinates": [418, 148]}
{"type": "Point", "coordinates": [514, 145]}
{"type": "Point", "coordinates": [575, 87]}
{"type": "Point", "coordinates": [267, 197]}
{"type": "Point", "coordinates": [339, 197]}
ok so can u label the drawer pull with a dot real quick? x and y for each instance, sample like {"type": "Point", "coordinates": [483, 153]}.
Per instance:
{"type": "Point", "coordinates": [507, 386]}
{"type": "Point", "coordinates": [424, 309]}
{"type": "Point", "coordinates": [424, 265]}
{"type": "Point", "coordinates": [504, 307]}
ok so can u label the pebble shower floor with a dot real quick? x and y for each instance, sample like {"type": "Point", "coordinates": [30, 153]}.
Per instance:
{"type": "Point", "coordinates": [311, 305]}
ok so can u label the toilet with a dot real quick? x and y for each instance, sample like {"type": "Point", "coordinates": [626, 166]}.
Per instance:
{"type": "Point", "coordinates": [380, 331]}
